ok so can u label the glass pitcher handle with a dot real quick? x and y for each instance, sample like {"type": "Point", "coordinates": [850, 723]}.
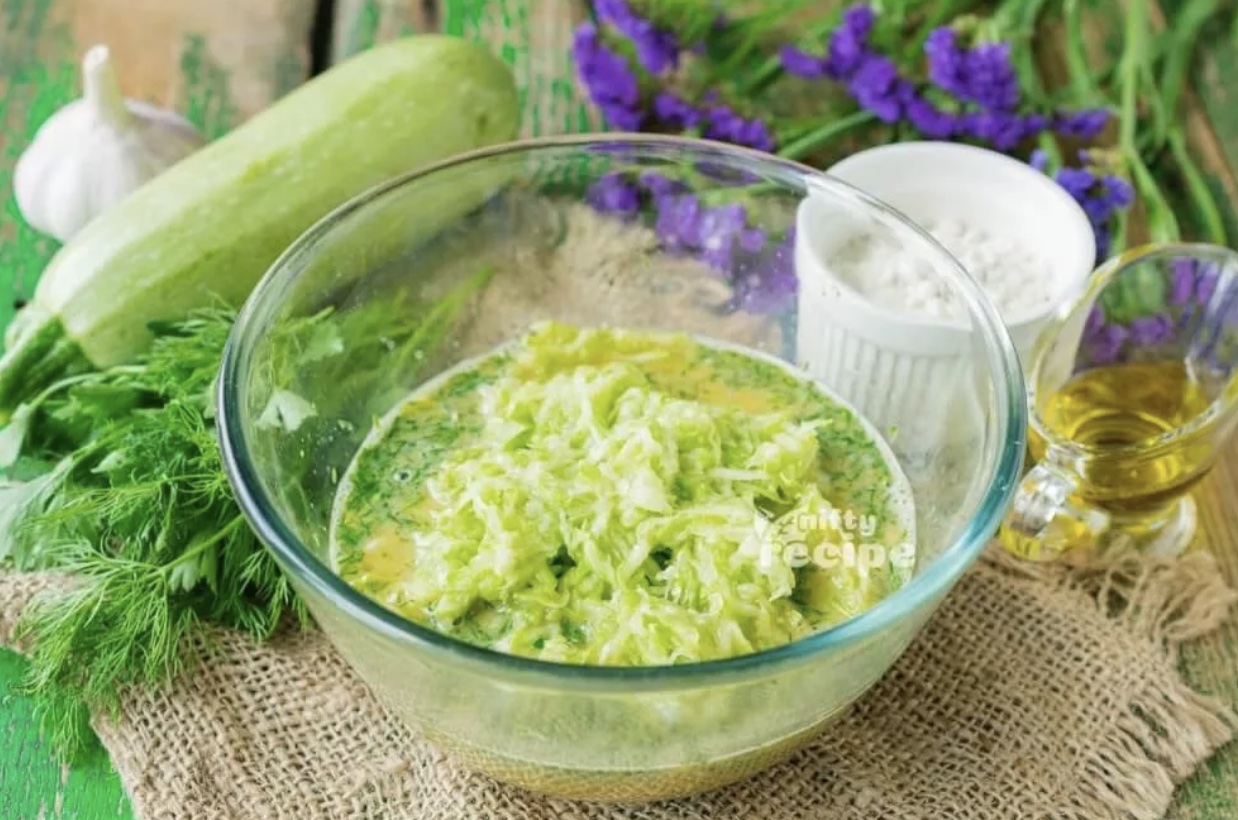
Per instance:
{"type": "Point", "coordinates": [1047, 519]}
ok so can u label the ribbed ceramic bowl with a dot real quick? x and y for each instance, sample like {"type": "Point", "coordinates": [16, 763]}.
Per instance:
{"type": "Point", "coordinates": [890, 361]}
{"type": "Point", "coordinates": [560, 233]}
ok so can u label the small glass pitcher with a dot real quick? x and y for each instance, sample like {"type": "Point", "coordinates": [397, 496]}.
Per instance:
{"type": "Point", "coordinates": [1132, 392]}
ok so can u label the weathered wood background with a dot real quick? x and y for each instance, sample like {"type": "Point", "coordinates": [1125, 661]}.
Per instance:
{"type": "Point", "coordinates": [223, 60]}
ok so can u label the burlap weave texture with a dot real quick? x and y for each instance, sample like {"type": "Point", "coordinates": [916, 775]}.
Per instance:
{"type": "Point", "coordinates": [1034, 692]}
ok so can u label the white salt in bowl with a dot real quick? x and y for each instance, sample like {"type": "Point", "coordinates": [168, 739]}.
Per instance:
{"type": "Point", "coordinates": [894, 361]}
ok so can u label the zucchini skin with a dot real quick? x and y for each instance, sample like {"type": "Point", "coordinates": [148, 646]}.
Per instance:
{"type": "Point", "coordinates": [208, 228]}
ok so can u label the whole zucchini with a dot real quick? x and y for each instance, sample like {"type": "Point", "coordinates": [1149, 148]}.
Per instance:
{"type": "Point", "coordinates": [210, 226]}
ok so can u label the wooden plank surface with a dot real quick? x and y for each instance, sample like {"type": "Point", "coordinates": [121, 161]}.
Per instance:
{"type": "Point", "coordinates": [359, 24]}
{"type": "Point", "coordinates": [1211, 664]}
{"type": "Point", "coordinates": [533, 36]}
{"type": "Point", "coordinates": [216, 62]}
{"type": "Point", "coordinates": [1210, 119]}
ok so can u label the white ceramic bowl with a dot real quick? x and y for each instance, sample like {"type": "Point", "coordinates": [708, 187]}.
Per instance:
{"type": "Point", "coordinates": [886, 360]}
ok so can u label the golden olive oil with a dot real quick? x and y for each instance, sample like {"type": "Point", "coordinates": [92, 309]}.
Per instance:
{"type": "Point", "coordinates": [1129, 420]}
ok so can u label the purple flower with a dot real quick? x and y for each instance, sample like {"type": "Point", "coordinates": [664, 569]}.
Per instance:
{"type": "Point", "coordinates": [610, 81]}
{"type": "Point", "coordinates": [929, 120]}
{"type": "Point", "coordinates": [1078, 182]}
{"type": "Point", "coordinates": [946, 62]}
{"type": "Point", "coordinates": [1039, 160]}
{"type": "Point", "coordinates": [1206, 283]}
{"type": "Point", "coordinates": [1182, 285]}
{"type": "Point", "coordinates": [751, 240]}
{"type": "Point", "coordinates": [679, 223]}
{"type": "Point", "coordinates": [624, 118]}
{"type": "Point", "coordinates": [656, 49]}
{"type": "Point", "coordinates": [615, 12]}
{"type": "Point", "coordinates": [878, 88]}
{"type": "Point", "coordinates": [683, 225]}
{"type": "Point", "coordinates": [770, 285]}
{"type": "Point", "coordinates": [848, 46]}
{"type": "Point", "coordinates": [660, 186]}
{"type": "Point", "coordinates": [1101, 197]}
{"type": "Point", "coordinates": [723, 124]}
{"type": "Point", "coordinates": [718, 231]}
{"type": "Point", "coordinates": [991, 80]}
{"type": "Point", "coordinates": [755, 134]}
{"type": "Point", "coordinates": [727, 126]}
{"type": "Point", "coordinates": [1105, 346]}
{"type": "Point", "coordinates": [761, 279]}
{"type": "Point", "coordinates": [989, 125]}
{"type": "Point", "coordinates": [724, 241]}
{"type": "Point", "coordinates": [1096, 321]}
{"type": "Point", "coordinates": [983, 75]}
{"type": "Point", "coordinates": [1103, 341]}
{"type": "Point", "coordinates": [615, 81]}
{"type": "Point", "coordinates": [674, 110]}
{"type": "Point", "coordinates": [859, 19]}
{"type": "Point", "coordinates": [1098, 209]}
{"type": "Point", "coordinates": [612, 193]}
{"type": "Point", "coordinates": [1085, 124]}
{"type": "Point", "coordinates": [1148, 331]}
{"type": "Point", "coordinates": [802, 64]}
{"type": "Point", "coordinates": [1004, 130]}
{"type": "Point", "coordinates": [1119, 191]}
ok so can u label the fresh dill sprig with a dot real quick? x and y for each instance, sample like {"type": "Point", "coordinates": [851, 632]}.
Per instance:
{"type": "Point", "coordinates": [136, 507]}
{"type": "Point", "coordinates": [116, 478]}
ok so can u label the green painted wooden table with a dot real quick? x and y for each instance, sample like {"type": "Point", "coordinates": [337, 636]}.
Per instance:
{"type": "Point", "coordinates": [220, 62]}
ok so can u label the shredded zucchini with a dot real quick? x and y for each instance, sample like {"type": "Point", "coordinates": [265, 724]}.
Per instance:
{"type": "Point", "coordinates": [598, 520]}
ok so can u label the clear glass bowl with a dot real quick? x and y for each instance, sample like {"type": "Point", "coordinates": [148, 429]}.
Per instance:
{"type": "Point", "coordinates": [445, 263]}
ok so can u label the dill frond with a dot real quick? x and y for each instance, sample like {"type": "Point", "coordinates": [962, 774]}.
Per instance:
{"type": "Point", "coordinates": [116, 478]}
{"type": "Point", "coordinates": [139, 511]}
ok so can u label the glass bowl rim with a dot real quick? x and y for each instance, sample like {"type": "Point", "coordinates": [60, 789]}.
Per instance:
{"type": "Point", "coordinates": [935, 579]}
{"type": "Point", "coordinates": [1100, 279]}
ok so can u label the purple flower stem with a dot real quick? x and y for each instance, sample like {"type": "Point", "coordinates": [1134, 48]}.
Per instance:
{"type": "Point", "coordinates": [1078, 67]}
{"type": "Point", "coordinates": [1053, 154]}
{"type": "Point", "coordinates": [813, 140]}
{"type": "Point", "coordinates": [770, 70]}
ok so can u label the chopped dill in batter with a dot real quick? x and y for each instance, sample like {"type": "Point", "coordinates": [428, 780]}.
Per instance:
{"type": "Point", "coordinates": [617, 497]}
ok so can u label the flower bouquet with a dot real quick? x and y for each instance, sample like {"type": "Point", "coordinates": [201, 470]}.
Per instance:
{"type": "Point", "coordinates": [812, 81]}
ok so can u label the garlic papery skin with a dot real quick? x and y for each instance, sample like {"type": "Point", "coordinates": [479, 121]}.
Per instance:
{"type": "Point", "coordinates": [95, 151]}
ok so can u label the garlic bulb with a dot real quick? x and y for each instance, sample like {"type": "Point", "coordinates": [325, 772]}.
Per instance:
{"type": "Point", "coordinates": [96, 150]}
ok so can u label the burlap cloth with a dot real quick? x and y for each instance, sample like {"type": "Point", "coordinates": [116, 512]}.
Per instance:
{"type": "Point", "coordinates": [1036, 691]}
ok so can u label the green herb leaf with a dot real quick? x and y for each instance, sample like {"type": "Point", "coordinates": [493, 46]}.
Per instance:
{"type": "Point", "coordinates": [139, 511]}
{"type": "Point", "coordinates": [20, 502]}
{"type": "Point", "coordinates": [125, 490]}
{"type": "Point", "coordinates": [324, 342]}
{"type": "Point", "coordinates": [285, 410]}
{"type": "Point", "coordinates": [13, 437]}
